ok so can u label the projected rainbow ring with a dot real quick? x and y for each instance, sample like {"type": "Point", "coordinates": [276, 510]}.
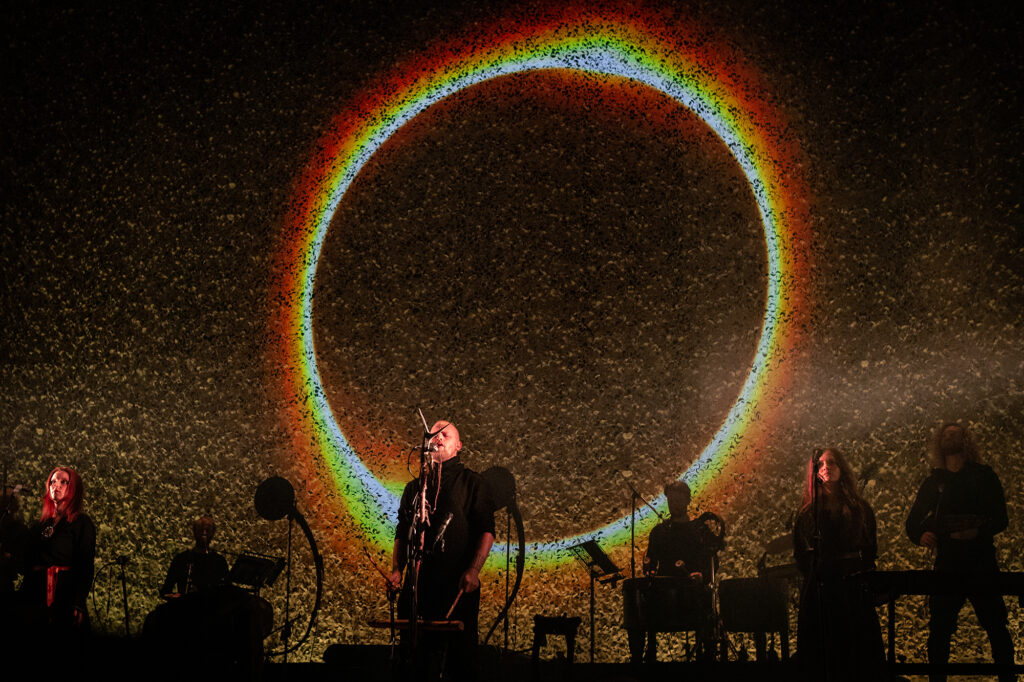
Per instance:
{"type": "Point", "coordinates": [677, 61]}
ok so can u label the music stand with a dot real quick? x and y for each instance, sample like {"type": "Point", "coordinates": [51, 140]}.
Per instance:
{"type": "Point", "coordinates": [254, 571]}
{"type": "Point", "coordinates": [601, 568]}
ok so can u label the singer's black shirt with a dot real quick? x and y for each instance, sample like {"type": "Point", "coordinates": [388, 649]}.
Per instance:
{"type": "Point", "coordinates": [72, 545]}
{"type": "Point", "coordinates": [462, 494]}
{"type": "Point", "coordinates": [946, 502]}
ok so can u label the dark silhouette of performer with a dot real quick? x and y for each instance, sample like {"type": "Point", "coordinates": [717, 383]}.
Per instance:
{"type": "Point", "coordinates": [452, 489]}
{"type": "Point", "coordinates": [199, 568]}
{"type": "Point", "coordinates": [12, 543]}
{"type": "Point", "coordinates": [834, 539]}
{"type": "Point", "coordinates": [58, 564]}
{"type": "Point", "coordinates": [958, 510]}
{"type": "Point", "coordinates": [678, 548]}
{"type": "Point", "coordinates": [206, 624]}
{"type": "Point", "coordinates": [13, 535]}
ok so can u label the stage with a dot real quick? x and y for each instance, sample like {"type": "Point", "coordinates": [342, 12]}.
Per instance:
{"type": "Point", "coordinates": [119, 658]}
{"type": "Point", "coordinates": [617, 244]}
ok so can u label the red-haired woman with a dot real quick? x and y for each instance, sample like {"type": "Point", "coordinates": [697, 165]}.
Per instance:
{"type": "Point", "coordinates": [834, 538]}
{"type": "Point", "coordinates": [59, 558]}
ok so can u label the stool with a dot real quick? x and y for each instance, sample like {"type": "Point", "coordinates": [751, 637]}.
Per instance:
{"type": "Point", "coordinates": [554, 625]}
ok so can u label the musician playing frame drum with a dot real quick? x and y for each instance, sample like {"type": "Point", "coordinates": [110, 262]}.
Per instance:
{"type": "Point", "coordinates": [679, 565]}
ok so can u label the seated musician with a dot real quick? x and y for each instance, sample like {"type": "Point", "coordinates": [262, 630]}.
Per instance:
{"type": "Point", "coordinates": [678, 548]}
{"type": "Point", "coordinates": [207, 624]}
{"type": "Point", "coordinates": [196, 569]}
{"type": "Point", "coordinates": [958, 510]}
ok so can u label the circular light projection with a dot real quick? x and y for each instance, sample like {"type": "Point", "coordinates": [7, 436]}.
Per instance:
{"type": "Point", "coordinates": [675, 60]}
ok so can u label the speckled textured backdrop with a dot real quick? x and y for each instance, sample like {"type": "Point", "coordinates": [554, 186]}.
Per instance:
{"type": "Point", "coordinates": [578, 292]}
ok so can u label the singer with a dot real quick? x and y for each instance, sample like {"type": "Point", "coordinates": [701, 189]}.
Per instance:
{"type": "Point", "coordinates": [958, 510]}
{"type": "Point", "coordinates": [59, 564]}
{"type": "Point", "coordinates": [834, 539]}
{"type": "Point", "coordinates": [459, 506]}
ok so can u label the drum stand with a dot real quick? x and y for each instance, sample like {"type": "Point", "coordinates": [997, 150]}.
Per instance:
{"type": "Point", "coordinates": [714, 528]}
{"type": "Point", "coordinates": [719, 640]}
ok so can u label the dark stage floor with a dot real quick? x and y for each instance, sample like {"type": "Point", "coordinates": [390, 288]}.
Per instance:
{"type": "Point", "coordinates": [554, 670]}
{"type": "Point", "coordinates": [118, 658]}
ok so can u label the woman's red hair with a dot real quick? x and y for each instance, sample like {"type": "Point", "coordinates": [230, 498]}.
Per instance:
{"type": "Point", "coordinates": [76, 491]}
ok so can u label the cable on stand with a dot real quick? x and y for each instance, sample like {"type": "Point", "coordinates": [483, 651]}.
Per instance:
{"type": "Point", "coordinates": [417, 541]}
{"type": "Point", "coordinates": [502, 486]}
{"type": "Point", "coordinates": [122, 561]}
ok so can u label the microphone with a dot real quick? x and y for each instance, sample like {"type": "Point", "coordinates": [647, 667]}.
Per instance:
{"type": "Point", "coordinates": [440, 533]}
{"type": "Point", "coordinates": [430, 448]}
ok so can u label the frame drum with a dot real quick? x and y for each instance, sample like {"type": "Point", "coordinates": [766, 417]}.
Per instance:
{"type": "Point", "coordinates": [665, 604]}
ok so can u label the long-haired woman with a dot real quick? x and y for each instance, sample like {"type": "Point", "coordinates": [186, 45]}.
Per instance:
{"type": "Point", "coordinates": [834, 539]}
{"type": "Point", "coordinates": [59, 559]}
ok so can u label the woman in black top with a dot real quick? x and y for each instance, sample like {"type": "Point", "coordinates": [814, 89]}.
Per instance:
{"type": "Point", "coordinates": [59, 558]}
{"type": "Point", "coordinates": [834, 539]}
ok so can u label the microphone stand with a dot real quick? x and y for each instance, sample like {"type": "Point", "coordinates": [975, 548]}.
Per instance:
{"type": "Point", "coordinates": [417, 542]}
{"type": "Point", "coordinates": [816, 570]}
{"type": "Point", "coordinates": [286, 631]}
{"type": "Point", "coordinates": [508, 566]}
{"type": "Point", "coordinates": [122, 561]}
{"type": "Point", "coordinates": [632, 523]}
{"type": "Point", "coordinates": [632, 535]}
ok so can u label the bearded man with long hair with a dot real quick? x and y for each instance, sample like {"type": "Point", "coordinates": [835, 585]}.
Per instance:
{"type": "Point", "coordinates": [958, 511]}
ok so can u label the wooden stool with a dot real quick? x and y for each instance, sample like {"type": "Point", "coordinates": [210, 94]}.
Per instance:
{"type": "Point", "coordinates": [554, 625]}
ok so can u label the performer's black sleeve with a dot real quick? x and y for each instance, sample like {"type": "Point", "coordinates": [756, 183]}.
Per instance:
{"type": "Point", "coordinates": [481, 511]}
{"type": "Point", "coordinates": [870, 550]}
{"type": "Point", "coordinates": [652, 560]}
{"type": "Point", "coordinates": [222, 570]}
{"type": "Point", "coordinates": [405, 510]}
{"type": "Point", "coordinates": [802, 542]}
{"type": "Point", "coordinates": [173, 573]}
{"type": "Point", "coordinates": [83, 562]}
{"type": "Point", "coordinates": [922, 514]}
{"type": "Point", "coordinates": [995, 517]}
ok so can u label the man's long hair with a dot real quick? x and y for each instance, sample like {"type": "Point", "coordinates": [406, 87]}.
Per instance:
{"type": "Point", "coordinates": [76, 492]}
{"type": "Point", "coordinates": [955, 443]}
